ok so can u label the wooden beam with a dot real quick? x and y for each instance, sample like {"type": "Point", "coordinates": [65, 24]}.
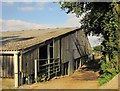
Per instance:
{"type": "Point", "coordinates": [16, 75]}
{"type": "Point", "coordinates": [9, 52]}
{"type": "Point", "coordinates": [48, 54]}
{"type": "Point", "coordinates": [36, 70]}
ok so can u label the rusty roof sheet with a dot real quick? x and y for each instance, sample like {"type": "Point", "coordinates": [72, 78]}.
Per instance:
{"type": "Point", "coordinates": [16, 40]}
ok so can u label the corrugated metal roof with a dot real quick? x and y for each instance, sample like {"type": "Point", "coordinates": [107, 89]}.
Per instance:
{"type": "Point", "coordinates": [16, 40]}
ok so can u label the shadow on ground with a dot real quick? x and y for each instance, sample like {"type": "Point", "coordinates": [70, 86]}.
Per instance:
{"type": "Point", "coordinates": [88, 72]}
{"type": "Point", "coordinates": [92, 66]}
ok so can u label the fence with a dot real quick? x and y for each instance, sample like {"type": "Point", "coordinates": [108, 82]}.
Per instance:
{"type": "Point", "coordinates": [46, 68]}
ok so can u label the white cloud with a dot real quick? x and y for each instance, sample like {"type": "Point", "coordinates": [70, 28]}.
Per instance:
{"type": "Point", "coordinates": [30, 1]}
{"type": "Point", "coordinates": [9, 3]}
{"type": "Point", "coordinates": [27, 8]}
{"type": "Point", "coordinates": [73, 20]}
{"type": "Point", "coordinates": [11, 25]}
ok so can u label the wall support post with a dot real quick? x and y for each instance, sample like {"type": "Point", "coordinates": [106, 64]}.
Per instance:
{"type": "Point", "coordinates": [36, 70]}
{"type": "Point", "coordinates": [16, 72]}
{"type": "Point", "coordinates": [48, 54]}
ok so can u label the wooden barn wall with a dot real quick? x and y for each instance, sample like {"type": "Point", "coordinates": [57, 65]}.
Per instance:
{"type": "Point", "coordinates": [87, 47]}
{"type": "Point", "coordinates": [56, 53]}
{"type": "Point", "coordinates": [75, 51]}
{"type": "Point", "coordinates": [81, 39]}
{"type": "Point", "coordinates": [28, 61]}
{"type": "Point", "coordinates": [7, 65]}
{"type": "Point", "coordinates": [68, 46]}
{"type": "Point", "coordinates": [65, 48]}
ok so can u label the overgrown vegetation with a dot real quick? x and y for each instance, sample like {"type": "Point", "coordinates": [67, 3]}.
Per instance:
{"type": "Point", "coordinates": [101, 18]}
{"type": "Point", "coordinates": [97, 48]}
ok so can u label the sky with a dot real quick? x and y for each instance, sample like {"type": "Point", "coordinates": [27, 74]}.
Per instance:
{"type": "Point", "coordinates": [26, 15]}
{"type": "Point", "coordinates": [37, 15]}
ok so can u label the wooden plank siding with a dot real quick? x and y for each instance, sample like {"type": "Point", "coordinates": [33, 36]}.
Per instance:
{"type": "Point", "coordinates": [28, 62]}
{"type": "Point", "coordinates": [7, 63]}
{"type": "Point", "coordinates": [56, 54]}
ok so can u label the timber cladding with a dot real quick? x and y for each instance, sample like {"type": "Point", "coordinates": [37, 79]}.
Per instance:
{"type": "Point", "coordinates": [31, 55]}
{"type": "Point", "coordinates": [27, 62]}
{"type": "Point", "coordinates": [7, 64]}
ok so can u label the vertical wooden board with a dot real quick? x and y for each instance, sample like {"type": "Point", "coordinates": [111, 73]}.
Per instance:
{"type": "Point", "coordinates": [10, 69]}
{"type": "Point", "coordinates": [67, 48]}
{"type": "Point", "coordinates": [64, 46]}
{"type": "Point", "coordinates": [7, 63]}
{"type": "Point", "coordinates": [28, 64]}
{"type": "Point", "coordinates": [9, 66]}
{"type": "Point", "coordinates": [33, 63]}
{"type": "Point", "coordinates": [5, 58]}
{"type": "Point", "coordinates": [31, 67]}
{"type": "Point", "coordinates": [62, 51]}
{"type": "Point", "coordinates": [36, 56]}
{"type": "Point", "coordinates": [21, 62]}
{"type": "Point", "coordinates": [33, 59]}
{"type": "Point", "coordinates": [25, 67]}
{"type": "Point", "coordinates": [58, 48]}
{"type": "Point", "coordinates": [58, 53]}
{"type": "Point", "coordinates": [12, 65]}
{"type": "Point", "coordinates": [24, 64]}
{"type": "Point", "coordinates": [28, 61]}
{"type": "Point", "coordinates": [71, 54]}
{"type": "Point", "coordinates": [38, 53]}
{"type": "Point", "coordinates": [33, 54]}
{"type": "Point", "coordinates": [4, 66]}
{"type": "Point", "coordinates": [55, 49]}
{"type": "Point", "coordinates": [26, 57]}
{"type": "Point", "coordinates": [0, 65]}
{"type": "Point", "coordinates": [55, 52]}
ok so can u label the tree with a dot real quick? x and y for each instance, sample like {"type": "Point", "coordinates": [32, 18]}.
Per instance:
{"type": "Point", "coordinates": [101, 18]}
{"type": "Point", "coordinates": [97, 48]}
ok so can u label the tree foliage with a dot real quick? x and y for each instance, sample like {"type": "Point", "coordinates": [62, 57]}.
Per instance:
{"type": "Point", "coordinates": [97, 48]}
{"type": "Point", "coordinates": [101, 18]}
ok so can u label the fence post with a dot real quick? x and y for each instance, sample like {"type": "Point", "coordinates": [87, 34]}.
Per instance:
{"type": "Point", "coordinates": [36, 70]}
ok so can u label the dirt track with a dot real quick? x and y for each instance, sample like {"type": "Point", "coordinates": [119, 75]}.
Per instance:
{"type": "Point", "coordinates": [79, 80]}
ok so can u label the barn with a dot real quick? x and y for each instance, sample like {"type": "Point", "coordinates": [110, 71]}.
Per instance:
{"type": "Point", "coordinates": [37, 55]}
